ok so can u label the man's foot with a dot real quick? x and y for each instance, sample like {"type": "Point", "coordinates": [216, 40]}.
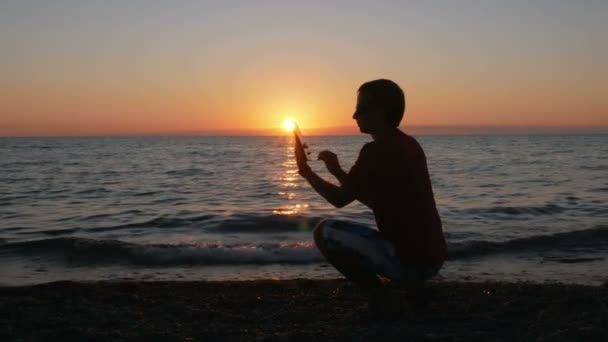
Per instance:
{"type": "Point", "coordinates": [385, 308]}
{"type": "Point", "coordinates": [419, 300]}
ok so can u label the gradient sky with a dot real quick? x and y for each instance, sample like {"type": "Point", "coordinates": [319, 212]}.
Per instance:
{"type": "Point", "coordinates": [143, 67]}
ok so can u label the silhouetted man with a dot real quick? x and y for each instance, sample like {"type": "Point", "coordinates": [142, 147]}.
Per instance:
{"type": "Point", "coordinates": [391, 177]}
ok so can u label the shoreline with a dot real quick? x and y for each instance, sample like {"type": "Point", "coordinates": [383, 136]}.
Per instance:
{"type": "Point", "coordinates": [500, 268]}
{"type": "Point", "coordinates": [296, 309]}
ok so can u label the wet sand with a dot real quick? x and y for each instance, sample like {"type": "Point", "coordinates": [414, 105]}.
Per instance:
{"type": "Point", "coordinates": [296, 310]}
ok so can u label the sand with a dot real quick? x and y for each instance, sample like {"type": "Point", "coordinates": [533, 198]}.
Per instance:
{"type": "Point", "coordinates": [296, 310]}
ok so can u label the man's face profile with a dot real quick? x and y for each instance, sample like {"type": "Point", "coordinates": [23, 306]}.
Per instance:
{"type": "Point", "coordinates": [369, 118]}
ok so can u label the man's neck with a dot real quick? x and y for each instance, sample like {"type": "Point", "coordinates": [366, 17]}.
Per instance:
{"type": "Point", "coordinates": [385, 133]}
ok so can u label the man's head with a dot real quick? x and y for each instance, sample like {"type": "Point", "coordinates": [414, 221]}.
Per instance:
{"type": "Point", "coordinates": [380, 106]}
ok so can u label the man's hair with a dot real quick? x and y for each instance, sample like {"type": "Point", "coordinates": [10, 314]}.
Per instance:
{"type": "Point", "coordinates": [387, 96]}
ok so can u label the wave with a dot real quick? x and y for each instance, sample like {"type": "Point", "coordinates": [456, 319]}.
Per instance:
{"type": "Point", "coordinates": [83, 251]}
{"type": "Point", "coordinates": [164, 222]}
{"type": "Point", "coordinates": [593, 239]}
{"type": "Point", "coordinates": [245, 223]}
{"type": "Point", "coordinates": [548, 209]}
{"type": "Point", "coordinates": [210, 223]}
{"type": "Point", "coordinates": [572, 260]}
{"type": "Point", "coordinates": [265, 224]}
{"type": "Point", "coordinates": [189, 172]}
{"type": "Point", "coordinates": [89, 251]}
{"type": "Point", "coordinates": [94, 190]}
{"type": "Point", "coordinates": [595, 167]}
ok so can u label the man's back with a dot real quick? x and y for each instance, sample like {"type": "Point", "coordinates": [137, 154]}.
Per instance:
{"type": "Point", "coordinates": [391, 177]}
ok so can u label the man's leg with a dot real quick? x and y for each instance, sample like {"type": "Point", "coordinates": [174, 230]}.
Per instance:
{"type": "Point", "coordinates": [414, 280]}
{"type": "Point", "coordinates": [333, 239]}
{"type": "Point", "coordinates": [359, 253]}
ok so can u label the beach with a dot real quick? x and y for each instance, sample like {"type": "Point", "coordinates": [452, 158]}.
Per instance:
{"type": "Point", "coordinates": [297, 310]}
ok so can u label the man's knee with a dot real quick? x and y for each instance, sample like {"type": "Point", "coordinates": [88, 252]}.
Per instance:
{"type": "Point", "coordinates": [318, 233]}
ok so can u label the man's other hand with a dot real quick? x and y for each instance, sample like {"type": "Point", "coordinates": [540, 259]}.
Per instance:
{"type": "Point", "coordinates": [331, 161]}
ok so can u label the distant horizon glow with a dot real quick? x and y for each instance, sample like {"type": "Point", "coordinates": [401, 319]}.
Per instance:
{"type": "Point", "coordinates": [352, 131]}
{"type": "Point", "coordinates": [146, 68]}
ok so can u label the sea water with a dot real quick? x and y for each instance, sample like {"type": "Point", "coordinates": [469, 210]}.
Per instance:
{"type": "Point", "coordinates": [232, 208]}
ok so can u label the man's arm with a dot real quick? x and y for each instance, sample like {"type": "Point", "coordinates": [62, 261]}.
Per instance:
{"type": "Point", "coordinates": [340, 176]}
{"type": "Point", "coordinates": [335, 195]}
{"type": "Point", "coordinates": [333, 166]}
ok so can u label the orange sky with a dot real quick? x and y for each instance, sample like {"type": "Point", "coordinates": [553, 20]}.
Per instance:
{"type": "Point", "coordinates": [89, 70]}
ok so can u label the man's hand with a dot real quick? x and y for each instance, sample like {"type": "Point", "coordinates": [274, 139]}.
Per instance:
{"type": "Point", "coordinates": [303, 168]}
{"type": "Point", "coordinates": [331, 162]}
{"type": "Point", "coordinates": [335, 195]}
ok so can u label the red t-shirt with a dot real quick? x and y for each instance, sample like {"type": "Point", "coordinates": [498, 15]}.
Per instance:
{"type": "Point", "coordinates": [391, 177]}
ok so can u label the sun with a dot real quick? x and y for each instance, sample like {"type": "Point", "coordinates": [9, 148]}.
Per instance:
{"type": "Point", "coordinates": [289, 125]}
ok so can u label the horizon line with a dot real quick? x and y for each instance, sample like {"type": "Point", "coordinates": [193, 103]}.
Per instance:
{"type": "Point", "coordinates": [350, 131]}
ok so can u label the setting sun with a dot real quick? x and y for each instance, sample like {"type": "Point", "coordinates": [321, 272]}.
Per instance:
{"type": "Point", "coordinates": [289, 125]}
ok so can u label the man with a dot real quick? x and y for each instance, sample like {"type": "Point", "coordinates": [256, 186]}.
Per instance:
{"type": "Point", "coordinates": [391, 177]}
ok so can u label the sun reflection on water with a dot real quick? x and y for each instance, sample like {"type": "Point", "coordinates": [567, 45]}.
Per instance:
{"type": "Point", "coordinates": [289, 180]}
{"type": "Point", "coordinates": [290, 209]}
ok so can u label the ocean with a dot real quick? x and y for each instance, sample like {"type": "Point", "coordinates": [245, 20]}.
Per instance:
{"type": "Point", "coordinates": [530, 208]}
